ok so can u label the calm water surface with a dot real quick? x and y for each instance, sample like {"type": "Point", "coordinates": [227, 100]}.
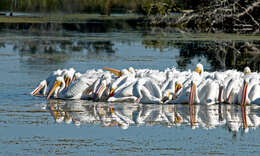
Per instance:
{"type": "Point", "coordinates": [34, 126]}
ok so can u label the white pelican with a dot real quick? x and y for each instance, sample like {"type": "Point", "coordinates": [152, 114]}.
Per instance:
{"type": "Point", "coordinates": [189, 93]}
{"type": "Point", "coordinates": [142, 90]}
{"type": "Point", "coordinates": [236, 89]}
{"type": "Point", "coordinates": [74, 91]}
{"type": "Point", "coordinates": [209, 93]}
{"type": "Point", "coordinates": [45, 85]}
{"type": "Point", "coordinates": [219, 78]}
{"type": "Point", "coordinates": [250, 92]}
{"type": "Point", "coordinates": [172, 86]}
{"type": "Point", "coordinates": [122, 89]}
{"type": "Point", "coordinates": [102, 90]}
{"type": "Point", "coordinates": [126, 78]}
{"type": "Point", "coordinates": [125, 94]}
{"type": "Point", "coordinates": [232, 89]}
{"type": "Point", "coordinates": [148, 91]}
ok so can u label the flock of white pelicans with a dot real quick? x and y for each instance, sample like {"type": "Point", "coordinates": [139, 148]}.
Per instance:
{"type": "Point", "coordinates": [170, 86]}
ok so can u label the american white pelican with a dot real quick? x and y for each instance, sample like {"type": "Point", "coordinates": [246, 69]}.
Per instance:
{"type": "Point", "coordinates": [142, 90]}
{"type": "Point", "coordinates": [122, 89]}
{"type": "Point", "coordinates": [101, 92]}
{"type": "Point", "coordinates": [219, 78]}
{"type": "Point", "coordinates": [155, 75]}
{"type": "Point", "coordinates": [148, 91]}
{"type": "Point", "coordinates": [44, 86]}
{"type": "Point", "coordinates": [77, 89]}
{"type": "Point", "coordinates": [172, 86]}
{"type": "Point", "coordinates": [124, 80]}
{"type": "Point", "coordinates": [209, 93]}
{"type": "Point", "coordinates": [238, 88]}
{"type": "Point", "coordinates": [232, 89]}
{"type": "Point", "coordinates": [125, 93]}
{"type": "Point", "coordinates": [250, 92]}
{"type": "Point", "coordinates": [189, 93]}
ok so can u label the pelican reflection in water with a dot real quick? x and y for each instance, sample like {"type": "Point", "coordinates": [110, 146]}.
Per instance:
{"type": "Point", "coordinates": [231, 117]}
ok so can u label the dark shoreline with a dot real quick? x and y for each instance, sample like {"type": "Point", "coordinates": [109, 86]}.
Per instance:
{"type": "Point", "coordinates": [79, 24]}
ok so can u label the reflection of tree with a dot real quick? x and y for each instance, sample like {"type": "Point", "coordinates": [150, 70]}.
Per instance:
{"type": "Point", "coordinates": [221, 54]}
{"type": "Point", "coordinates": [101, 47]}
{"type": "Point", "coordinates": [226, 54]}
{"type": "Point", "coordinates": [60, 50]}
{"type": "Point", "coordinates": [63, 46]}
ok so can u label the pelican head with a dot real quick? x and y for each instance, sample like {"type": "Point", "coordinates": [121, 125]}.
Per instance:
{"type": "Point", "coordinates": [76, 76]}
{"type": "Point", "coordinates": [199, 69]}
{"type": "Point", "coordinates": [58, 83]}
{"type": "Point", "coordinates": [247, 70]}
{"type": "Point", "coordinates": [131, 70]}
{"type": "Point", "coordinates": [68, 76]}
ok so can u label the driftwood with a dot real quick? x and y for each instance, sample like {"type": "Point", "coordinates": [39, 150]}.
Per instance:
{"type": "Point", "coordinates": [227, 15]}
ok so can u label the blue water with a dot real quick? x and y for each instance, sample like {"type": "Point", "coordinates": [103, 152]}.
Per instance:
{"type": "Point", "coordinates": [28, 125]}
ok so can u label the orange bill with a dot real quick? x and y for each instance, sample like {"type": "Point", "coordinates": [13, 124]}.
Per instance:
{"type": "Point", "coordinates": [55, 85]}
{"type": "Point", "coordinates": [37, 90]}
{"type": "Point", "coordinates": [244, 93]}
{"type": "Point", "coordinates": [114, 71]}
{"type": "Point", "coordinates": [230, 96]}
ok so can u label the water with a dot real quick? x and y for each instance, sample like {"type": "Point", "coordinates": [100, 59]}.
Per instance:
{"type": "Point", "coordinates": [35, 126]}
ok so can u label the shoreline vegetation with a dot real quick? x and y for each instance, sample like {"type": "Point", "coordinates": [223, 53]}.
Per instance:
{"type": "Point", "coordinates": [197, 15]}
{"type": "Point", "coordinates": [95, 6]}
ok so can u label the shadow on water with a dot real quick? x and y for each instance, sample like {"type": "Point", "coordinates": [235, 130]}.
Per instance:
{"type": "Point", "coordinates": [233, 118]}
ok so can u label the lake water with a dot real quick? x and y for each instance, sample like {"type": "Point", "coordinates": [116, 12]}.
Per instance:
{"type": "Point", "coordinates": [35, 126]}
